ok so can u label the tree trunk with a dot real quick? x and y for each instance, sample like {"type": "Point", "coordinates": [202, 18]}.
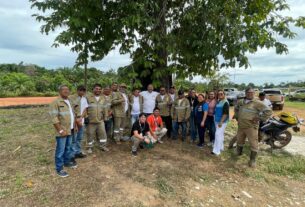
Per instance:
{"type": "Point", "coordinates": [86, 74]}
{"type": "Point", "coordinates": [161, 51]}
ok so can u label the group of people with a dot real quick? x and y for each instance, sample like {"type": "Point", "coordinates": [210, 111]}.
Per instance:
{"type": "Point", "coordinates": [108, 112]}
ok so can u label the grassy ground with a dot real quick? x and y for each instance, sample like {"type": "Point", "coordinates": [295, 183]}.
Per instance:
{"type": "Point", "coordinates": [171, 174]}
{"type": "Point", "coordinates": [295, 104]}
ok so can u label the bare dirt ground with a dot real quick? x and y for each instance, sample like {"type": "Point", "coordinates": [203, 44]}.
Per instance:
{"type": "Point", "coordinates": [25, 101]}
{"type": "Point", "coordinates": [170, 174]}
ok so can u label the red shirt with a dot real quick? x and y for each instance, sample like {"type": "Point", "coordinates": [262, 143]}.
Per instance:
{"type": "Point", "coordinates": [154, 122]}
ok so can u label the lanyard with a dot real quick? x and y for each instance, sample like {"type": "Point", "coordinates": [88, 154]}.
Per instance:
{"type": "Point", "coordinates": [142, 129]}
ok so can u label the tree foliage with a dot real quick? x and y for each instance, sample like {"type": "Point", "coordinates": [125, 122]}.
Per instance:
{"type": "Point", "coordinates": [186, 37]}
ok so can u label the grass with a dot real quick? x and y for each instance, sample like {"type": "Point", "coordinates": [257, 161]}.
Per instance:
{"type": "Point", "coordinates": [295, 104]}
{"type": "Point", "coordinates": [163, 187]}
{"type": "Point", "coordinates": [171, 174]}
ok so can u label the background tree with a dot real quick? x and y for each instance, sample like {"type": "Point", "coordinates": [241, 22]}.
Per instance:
{"type": "Point", "coordinates": [186, 37]}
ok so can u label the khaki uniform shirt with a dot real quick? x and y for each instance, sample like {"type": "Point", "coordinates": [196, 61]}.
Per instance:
{"type": "Point", "coordinates": [164, 105]}
{"type": "Point", "coordinates": [60, 114]}
{"type": "Point", "coordinates": [181, 111]}
{"type": "Point", "coordinates": [118, 104]}
{"type": "Point", "coordinates": [108, 106]}
{"type": "Point", "coordinates": [246, 112]}
{"type": "Point", "coordinates": [97, 110]}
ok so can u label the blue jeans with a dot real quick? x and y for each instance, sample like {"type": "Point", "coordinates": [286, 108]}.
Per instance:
{"type": "Point", "coordinates": [193, 127]}
{"type": "Point", "coordinates": [63, 152]}
{"type": "Point", "coordinates": [210, 126]}
{"type": "Point", "coordinates": [77, 141]}
{"type": "Point", "coordinates": [134, 117]}
{"type": "Point", "coordinates": [109, 127]}
{"type": "Point", "coordinates": [176, 128]}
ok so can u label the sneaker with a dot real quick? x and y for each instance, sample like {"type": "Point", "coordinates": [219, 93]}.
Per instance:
{"type": "Point", "coordinates": [72, 165]}
{"type": "Point", "coordinates": [62, 174]}
{"type": "Point", "coordinates": [73, 161]}
{"type": "Point", "coordinates": [89, 151]}
{"type": "Point", "coordinates": [200, 145]}
{"type": "Point", "coordinates": [80, 155]}
{"type": "Point", "coordinates": [104, 148]}
{"type": "Point", "coordinates": [141, 145]}
{"type": "Point", "coordinates": [160, 141]}
{"type": "Point", "coordinates": [134, 153]}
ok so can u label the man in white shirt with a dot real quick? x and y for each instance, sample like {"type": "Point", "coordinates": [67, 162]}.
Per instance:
{"type": "Point", "coordinates": [80, 103]}
{"type": "Point", "coordinates": [262, 97]}
{"type": "Point", "coordinates": [149, 97]}
{"type": "Point", "coordinates": [172, 93]}
{"type": "Point", "coordinates": [136, 105]}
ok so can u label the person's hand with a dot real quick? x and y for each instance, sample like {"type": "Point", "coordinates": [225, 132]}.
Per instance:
{"type": "Point", "coordinates": [155, 136]}
{"type": "Point", "coordinates": [202, 124]}
{"type": "Point", "coordinates": [63, 133]}
{"type": "Point", "coordinates": [79, 122]}
{"type": "Point", "coordinates": [219, 125]}
{"type": "Point", "coordinates": [255, 120]}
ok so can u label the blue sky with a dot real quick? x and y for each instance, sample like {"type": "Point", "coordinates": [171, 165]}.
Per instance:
{"type": "Point", "coordinates": [22, 41]}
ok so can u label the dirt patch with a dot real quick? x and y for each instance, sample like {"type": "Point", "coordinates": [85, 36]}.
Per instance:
{"type": "Point", "coordinates": [26, 101]}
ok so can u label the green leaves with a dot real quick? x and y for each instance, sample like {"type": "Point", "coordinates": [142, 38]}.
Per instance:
{"type": "Point", "coordinates": [163, 36]}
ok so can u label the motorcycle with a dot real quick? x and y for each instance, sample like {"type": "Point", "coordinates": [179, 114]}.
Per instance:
{"type": "Point", "coordinates": [274, 131]}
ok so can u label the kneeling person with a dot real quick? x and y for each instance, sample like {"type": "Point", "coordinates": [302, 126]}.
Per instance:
{"type": "Point", "coordinates": [140, 134]}
{"type": "Point", "coordinates": [156, 125]}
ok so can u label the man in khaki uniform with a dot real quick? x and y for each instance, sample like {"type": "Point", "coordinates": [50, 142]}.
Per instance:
{"type": "Point", "coordinates": [248, 113]}
{"type": "Point", "coordinates": [108, 119]}
{"type": "Point", "coordinates": [164, 102]}
{"type": "Point", "coordinates": [63, 118]}
{"type": "Point", "coordinates": [180, 112]}
{"type": "Point", "coordinates": [118, 111]}
{"type": "Point", "coordinates": [80, 104]}
{"type": "Point", "coordinates": [97, 112]}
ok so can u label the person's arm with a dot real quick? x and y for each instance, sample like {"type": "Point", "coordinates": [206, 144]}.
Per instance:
{"type": "Point", "coordinates": [205, 114]}
{"type": "Point", "coordinates": [225, 114]}
{"type": "Point", "coordinates": [265, 111]}
{"type": "Point", "coordinates": [187, 111]}
{"type": "Point", "coordinates": [137, 135]}
{"type": "Point", "coordinates": [117, 99]}
{"type": "Point", "coordinates": [149, 121]}
{"type": "Point", "coordinates": [55, 120]}
{"type": "Point", "coordinates": [236, 110]}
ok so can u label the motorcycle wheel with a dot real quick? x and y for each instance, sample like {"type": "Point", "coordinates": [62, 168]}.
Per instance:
{"type": "Point", "coordinates": [281, 140]}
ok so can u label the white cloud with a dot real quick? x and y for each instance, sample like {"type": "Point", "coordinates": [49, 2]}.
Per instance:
{"type": "Point", "coordinates": [21, 40]}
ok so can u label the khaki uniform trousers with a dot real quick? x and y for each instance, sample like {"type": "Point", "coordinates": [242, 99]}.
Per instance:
{"type": "Point", "coordinates": [160, 133]}
{"type": "Point", "coordinates": [251, 134]}
{"type": "Point", "coordinates": [120, 123]}
{"type": "Point", "coordinates": [96, 130]}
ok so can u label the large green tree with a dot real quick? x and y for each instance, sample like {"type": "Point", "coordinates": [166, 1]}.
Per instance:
{"type": "Point", "coordinates": [186, 37]}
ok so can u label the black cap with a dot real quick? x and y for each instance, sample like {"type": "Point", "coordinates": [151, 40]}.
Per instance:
{"type": "Point", "coordinates": [180, 92]}
{"type": "Point", "coordinates": [262, 94]}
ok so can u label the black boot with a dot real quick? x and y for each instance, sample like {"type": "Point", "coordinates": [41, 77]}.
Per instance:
{"type": "Point", "coordinates": [232, 142]}
{"type": "Point", "coordinates": [252, 162]}
{"type": "Point", "coordinates": [239, 150]}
